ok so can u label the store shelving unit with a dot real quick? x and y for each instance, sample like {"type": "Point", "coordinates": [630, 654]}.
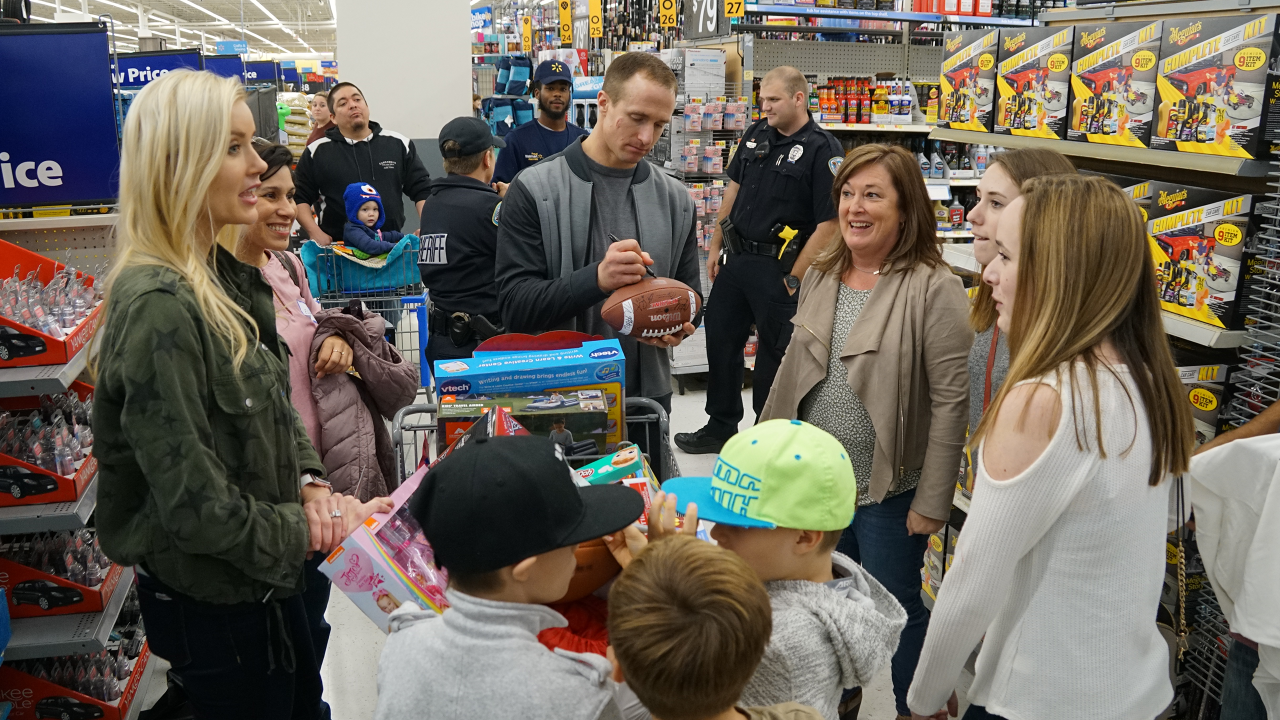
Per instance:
{"type": "Point", "coordinates": [910, 17]}
{"type": "Point", "coordinates": [1138, 11]}
{"type": "Point", "coordinates": [53, 517]}
{"type": "Point", "coordinates": [68, 634]}
{"type": "Point", "coordinates": [878, 128]}
{"type": "Point", "coordinates": [42, 379]}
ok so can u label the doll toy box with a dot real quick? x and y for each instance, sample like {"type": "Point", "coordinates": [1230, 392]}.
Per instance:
{"type": "Point", "coordinates": [1113, 83]}
{"type": "Point", "coordinates": [1033, 78]}
{"type": "Point", "coordinates": [968, 80]}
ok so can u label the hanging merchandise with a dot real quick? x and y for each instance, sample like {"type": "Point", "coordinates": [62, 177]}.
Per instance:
{"type": "Point", "coordinates": [968, 80]}
{"type": "Point", "coordinates": [1214, 84]}
{"type": "Point", "coordinates": [1113, 82]}
{"type": "Point", "coordinates": [1034, 64]}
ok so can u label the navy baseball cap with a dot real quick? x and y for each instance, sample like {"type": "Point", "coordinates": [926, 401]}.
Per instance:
{"type": "Point", "coordinates": [472, 135]}
{"type": "Point", "coordinates": [551, 71]}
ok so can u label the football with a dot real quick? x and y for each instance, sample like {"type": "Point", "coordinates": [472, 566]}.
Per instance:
{"type": "Point", "coordinates": [650, 308]}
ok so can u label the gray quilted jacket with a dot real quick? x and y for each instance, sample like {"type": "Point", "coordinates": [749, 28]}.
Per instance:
{"type": "Point", "coordinates": [354, 442]}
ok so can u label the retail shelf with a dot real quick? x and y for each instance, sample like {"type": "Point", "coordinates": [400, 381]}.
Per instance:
{"type": "Point", "coordinates": [954, 182]}
{"type": "Point", "coordinates": [58, 223]}
{"type": "Point", "coordinates": [1120, 11]}
{"type": "Point", "coordinates": [42, 379]}
{"type": "Point", "coordinates": [68, 634]}
{"type": "Point", "coordinates": [50, 516]}
{"type": "Point", "coordinates": [956, 235]}
{"type": "Point", "coordinates": [879, 127]}
{"type": "Point", "coordinates": [960, 501]}
{"type": "Point", "coordinates": [960, 255]}
{"type": "Point", "coordinates": [851, 13]}
{"type": "Point", "coordinates": [144, 685]}
{"type": "Point", "coordinates": [1162, 158]}
{"type": "Point", "coordinates": [1202, 333]}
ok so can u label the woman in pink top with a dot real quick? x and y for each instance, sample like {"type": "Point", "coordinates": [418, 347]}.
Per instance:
{"type": "Point", "coordinates": [264, 246]}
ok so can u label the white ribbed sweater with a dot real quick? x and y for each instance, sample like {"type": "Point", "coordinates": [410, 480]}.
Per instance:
{"type": "Point", "coordinates": [1060, 569]}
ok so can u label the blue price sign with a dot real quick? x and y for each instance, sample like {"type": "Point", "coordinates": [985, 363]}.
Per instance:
{"type": "Point", "coordinates": [232, 47]}
{"type": "Point", "coordinates": [59, 140]}
{"type": "Point", "coordinates": [290, 74]}
{"type": "Point", "coordinates": [138, 69]}
{"type": "Point", "coordinates": [226, 66]}
{"type": "Point", "coordinates": [260, 72]}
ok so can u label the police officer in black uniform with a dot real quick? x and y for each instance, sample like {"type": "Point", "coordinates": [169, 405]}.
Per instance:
{"type": "Point", "coordinates": [459, 232]}
{"type": "Point", "coordinates": [777, 215]}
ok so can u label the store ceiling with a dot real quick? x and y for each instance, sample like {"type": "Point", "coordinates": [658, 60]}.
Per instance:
{"type": "Point", "coordinates": [270, 26]}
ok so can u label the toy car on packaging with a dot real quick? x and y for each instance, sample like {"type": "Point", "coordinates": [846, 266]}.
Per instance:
{"type": "Point", "coordinates": [1032, 77]}
{"type": "Point", "coordinates": [1113, 83]}
{"type": "Point", "coordinates": [1214, 80]}
{"type": "Point", "coordinates": [968, 80]}
{"type": "Point", "coordinates": [1201, 242]}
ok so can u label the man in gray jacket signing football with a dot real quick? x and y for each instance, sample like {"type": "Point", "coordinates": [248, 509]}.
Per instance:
{"type": "Point", "coordinates": [556, 264]}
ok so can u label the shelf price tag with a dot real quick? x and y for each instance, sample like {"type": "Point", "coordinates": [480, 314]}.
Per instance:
{"type": "Point", "coordinates": [566, 22]}
{"type": "Point", "coordinates": [667, 13]}
{"type": "Point", "coordinates": [735, 8]}
{"type": "Point", "coordinates": [595, 18]}
{"type": "Point", "coordinates": [526, 33]}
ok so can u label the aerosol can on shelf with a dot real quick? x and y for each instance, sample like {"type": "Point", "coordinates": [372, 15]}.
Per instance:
{"type": "Point", "coordinates": [955, 214]}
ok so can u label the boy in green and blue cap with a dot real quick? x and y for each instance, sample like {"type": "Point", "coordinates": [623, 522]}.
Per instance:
{"type": "Point", "coordinates": [781, 494]}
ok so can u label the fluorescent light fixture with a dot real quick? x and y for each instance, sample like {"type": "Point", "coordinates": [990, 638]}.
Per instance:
{"type": "Point", "coordinates": [211, 14]}
{"type": "Point", "coordinates": [37, 17]}
{"type": "Point", "coordinates": [117, 5]}
{"type": "Point", "coordinates": [333, 7]}
{"type": "Point", "coordinates": [250, 32]}
{"type": "Point", "coordinates": [266, 12]}
{"type": "Point", "coordinates": [42, 2]}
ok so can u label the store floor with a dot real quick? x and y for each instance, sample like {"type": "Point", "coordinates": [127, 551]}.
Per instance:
{"type": "Point", "coordinates": [351, 665]}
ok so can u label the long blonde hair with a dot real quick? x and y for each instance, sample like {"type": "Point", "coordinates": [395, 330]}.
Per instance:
{"type": "Point", "coordinates": [175, 140]}
{"type": "Point", "coordinates": [1083, 278]}
{"type": "Point", "coordinates": [1020, 164]}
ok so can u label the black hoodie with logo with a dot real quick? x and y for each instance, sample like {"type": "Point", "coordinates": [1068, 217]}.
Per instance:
{"type": "Point", "coordinates": [387, 160]}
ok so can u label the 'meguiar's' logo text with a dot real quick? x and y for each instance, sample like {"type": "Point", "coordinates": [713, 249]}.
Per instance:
{"type": "Point", "coordinates": [954, 44]}
{"type": "Point", "coordinates": [1185, 35]}
{"type": "Point", "coordinates": [1091, 39]}
{"type": "Point", "coordinates": [1169, 200]}
{"type": "Point", "coordinates": [1015, 42]}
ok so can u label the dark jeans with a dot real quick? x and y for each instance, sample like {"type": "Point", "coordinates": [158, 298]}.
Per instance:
{"type": "Point", "coordinates": [878, 540]}
{"type": "Point", "coordinates": [245, 661]}
{"type": "Point", "coordinates": [748, 290]}
{"type": "Point", "coordinates": [315, 599]}
{"type": "Point", "coordinates": [1240, 699]}
{"type": "Point", "coordinates": [977, 712]}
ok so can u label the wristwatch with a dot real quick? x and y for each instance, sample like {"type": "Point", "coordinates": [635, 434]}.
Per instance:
{"type": "Point", "coordinates": [309, 479]}
{"type": "Point", "coordinates": [792, 281]}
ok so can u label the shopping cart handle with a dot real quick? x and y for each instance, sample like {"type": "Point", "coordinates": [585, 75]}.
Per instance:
{"type": "Point", "coordinates": [414, 299]}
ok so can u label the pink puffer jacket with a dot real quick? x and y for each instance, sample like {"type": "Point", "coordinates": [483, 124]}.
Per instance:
{"type": "Point", "coordinates": [354, 442]}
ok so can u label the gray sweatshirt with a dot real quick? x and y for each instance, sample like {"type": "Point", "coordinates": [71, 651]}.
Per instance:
{"type": "Point", "coordinates": [826, 637]}
{"type": "Point", "coordinates": [482, 659]}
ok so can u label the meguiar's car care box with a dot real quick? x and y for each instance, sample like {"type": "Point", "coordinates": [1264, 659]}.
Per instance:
{"type": "Point", "coordinates": [1033, 77]}
{"type": "Point", "coordinates": [1199, 240]}
{"type": "Point", "coordinates": [968, 80]}
{"type": "Point", "coordinates": [1216, 86]}
{"type": "Point", "coordinates": [1138, 189]}
{"type": "Point", "coordinates": [1113, 83]}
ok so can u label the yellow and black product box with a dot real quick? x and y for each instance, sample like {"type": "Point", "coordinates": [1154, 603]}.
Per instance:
{"type": "Point", "coordinates": [1215, 83]}
{"type": "Point", "coordinates": [1113, 83]}
{"type": "Point", "coordinates": [1138, 189]}
{"type": "Point", "coordinates": [1033, 70]}
{"type": "Point", "coordinates": [968, 80]}
{"type": "Point", "coordinates": [1199, 241]}
{"type": "Point", "coordinates": [1204, 373]}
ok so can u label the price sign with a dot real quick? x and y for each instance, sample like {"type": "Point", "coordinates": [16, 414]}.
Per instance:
{"type": "Point", "coordinates": [526, 33]}
{"type": "Point", "coordinates": [595, 18]}
{"type": "Point", "coordinates": [566, 22]}
{"type": "Point", "coordinates": [735, 8]}
{"type": "Point", "coordinates": [702, 18]}
{"type": "Point", "coordinates": [667, 13]}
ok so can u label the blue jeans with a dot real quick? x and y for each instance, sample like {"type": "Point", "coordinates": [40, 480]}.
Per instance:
{"type": "Point", "coordinates": [878, 540]}
{"type": "Point", "coordinates": [1240, 699]}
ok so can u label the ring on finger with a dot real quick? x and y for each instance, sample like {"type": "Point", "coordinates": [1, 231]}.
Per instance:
{"type": "Point", "coordinates": [335, 513]}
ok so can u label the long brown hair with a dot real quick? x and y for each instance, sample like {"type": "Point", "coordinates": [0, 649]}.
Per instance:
{"type": "Point", "coordinates": [918, 239]}
{"type": "Point", "coordinates": [1083, 278]}
{"type": "Point", "coordinates": [1020, 165]}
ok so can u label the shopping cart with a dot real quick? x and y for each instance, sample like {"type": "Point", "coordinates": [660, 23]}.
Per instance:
{"type": "Point", "coordinates": [413, 434]}
{"type": "Point", "coordinates": [395, 293]}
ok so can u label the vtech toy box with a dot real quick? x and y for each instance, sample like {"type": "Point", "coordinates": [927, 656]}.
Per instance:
{"type": "Point", "coordinates": [1032, 76]}
{"type": "Point", "coordinates": [1199, 240]}
{"type": "Point", "coordinates": [1214, 79]}
{"type": "Point", "coordinates": [1113, 83]}
{"type": "Point", "coordinates": [584, 413]}
{"type": "Point", "coordinates": [968, 80]}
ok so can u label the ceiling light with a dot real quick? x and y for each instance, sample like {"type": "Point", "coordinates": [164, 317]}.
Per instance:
{"type": "Point", "coordinates": [333, 7]}
{"type": "Point", "coordinates": [211, 14]}
{"type": "Point", "coordinates": [250, 32]}
{"type": "Point", "coordinates": [117, 5]}
{"type": "Point", "coordinates": [42, 2]}
{"type": "Point", "coordinates": [265, 11]}
{"type": "Point", "coordinates": [37, 17]}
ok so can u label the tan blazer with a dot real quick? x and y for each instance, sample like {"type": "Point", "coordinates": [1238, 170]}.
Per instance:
{"type": "Point", "coordinates": [907, 356]}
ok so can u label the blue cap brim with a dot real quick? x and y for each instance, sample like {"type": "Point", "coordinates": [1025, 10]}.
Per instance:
{"type": "Point", "coordinates": [698, 490]}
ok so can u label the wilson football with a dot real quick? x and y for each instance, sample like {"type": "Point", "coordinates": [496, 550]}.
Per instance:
{"type": "Point", "coordinates": [650, 308]}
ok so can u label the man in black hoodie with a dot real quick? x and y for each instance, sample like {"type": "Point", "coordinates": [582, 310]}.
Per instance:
{"type": "Point", "coordinates": [356, 150]}
{"type": "Point", "coordinates": [460, 242]}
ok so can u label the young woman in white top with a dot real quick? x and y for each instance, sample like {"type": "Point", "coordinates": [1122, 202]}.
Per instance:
{"type": "Point", "coordinates": [1060, 566]}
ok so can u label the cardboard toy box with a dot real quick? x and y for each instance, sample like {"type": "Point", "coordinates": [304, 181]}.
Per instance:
{"type": "Point", "coordinates": [1113, 83]}
{"type": "Point", "coordinates": [1204, 373]}
{"type": "Point", "coordinates": [1033, 78]}
{"type": "Point", "coordinates": [556, 361]}
{"type": "Point", "coordinates": [33, 593]}
{"type": "Point", "coordinates": [1198, 240]}
{"type": "Point", "coordinates": [1215, 80]}
{"type": "Point", "coordinates": [34, 698]}
{"type": "Point", "coordinates": [629, 467]}
{"type": "Point", "coordinates": [968, 80]}
{"type": "Point", "coordinates": [22, 483]}
{"type": "Point", "coordinates": [585, 414]}
{"type": "Point", "coordinates": [22, 346]}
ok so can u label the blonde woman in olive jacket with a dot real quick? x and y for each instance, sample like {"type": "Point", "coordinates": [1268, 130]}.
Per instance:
{"type": "Point", "coordinates": [879, 359]}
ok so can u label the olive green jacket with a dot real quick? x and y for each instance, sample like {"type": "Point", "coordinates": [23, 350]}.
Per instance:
{"type": "Point", "coordinates": [199, 465]}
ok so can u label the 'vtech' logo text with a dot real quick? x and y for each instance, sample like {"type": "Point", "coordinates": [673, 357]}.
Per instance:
{"type": "Point", "coordinates": [603, 354]}
{"type": "Point", "coordinates": [456, 387]}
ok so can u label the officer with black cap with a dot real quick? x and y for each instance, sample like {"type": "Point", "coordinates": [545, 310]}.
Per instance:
{"type": "Point", "coordinates": [459, 240]}
{"type": "Point", "coordinates": [776, 216]}
{"type": "Point", "coordinates": [547, 134]}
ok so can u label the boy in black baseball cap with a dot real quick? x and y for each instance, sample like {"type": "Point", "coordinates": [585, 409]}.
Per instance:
{"type": "Point", "coordinates": [504, 517]}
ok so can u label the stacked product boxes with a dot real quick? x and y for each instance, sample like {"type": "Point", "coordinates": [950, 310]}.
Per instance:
{"type": "Point", "coordinates": [1032, 74]}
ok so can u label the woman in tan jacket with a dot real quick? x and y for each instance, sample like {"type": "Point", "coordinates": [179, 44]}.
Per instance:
{"type": "Point", "coordinates": [895, 391]}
